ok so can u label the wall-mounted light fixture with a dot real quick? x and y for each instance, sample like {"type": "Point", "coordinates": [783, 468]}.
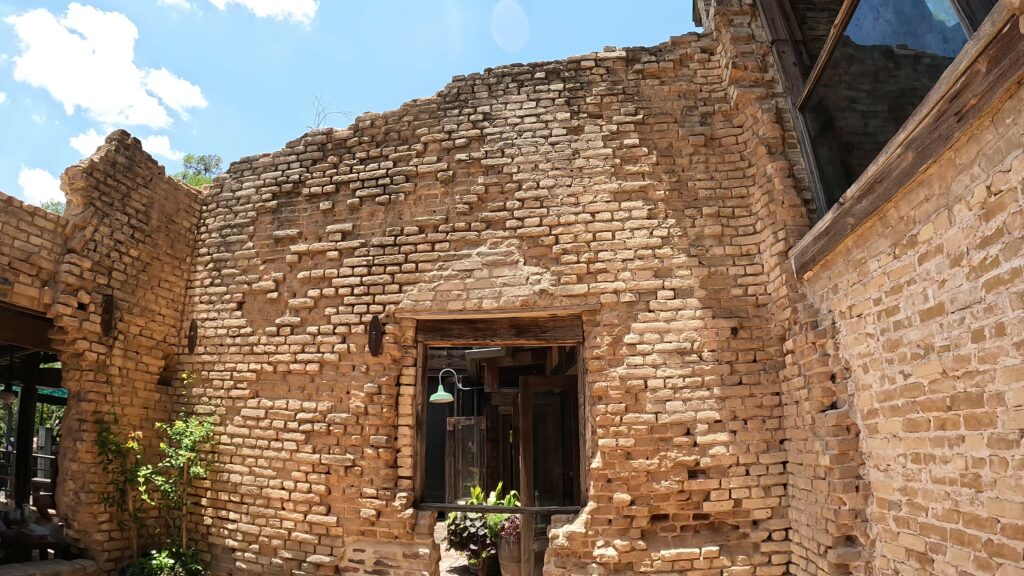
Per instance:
{"type": "Point", "coordinates": [375, 336]}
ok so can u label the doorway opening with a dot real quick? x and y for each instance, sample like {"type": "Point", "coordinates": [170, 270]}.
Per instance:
{"type": "Point", "coordinates": [501, 408]}
{"type": "Point", "coordinates": [32, 403]}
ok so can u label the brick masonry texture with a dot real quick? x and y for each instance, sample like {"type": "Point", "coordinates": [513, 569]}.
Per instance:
{"type": "Point", "coordinates": [628, 179]}
{"type": "Point", "coordinates": [921, 311]}
{"type": "Point", "coordinates": [130, 235]}
{"type": "Point", "coordinates": [864, 419]}
{"type": "Point", "coordinates": [30, 247]}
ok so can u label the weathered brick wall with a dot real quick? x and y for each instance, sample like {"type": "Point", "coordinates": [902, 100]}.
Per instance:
{"type": "Point", "coordinates": [130, 233]}
{"type": "Point", "coordinates": [626, 179]}
{"type": "Point", "coordinates": [31, 242]}
{"type": "Point", "coordinates": [913, 330]}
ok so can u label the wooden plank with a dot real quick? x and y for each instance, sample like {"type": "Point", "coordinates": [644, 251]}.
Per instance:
{"type": "Point", "coordinates": [989, 67]}
{"type": "Point", "coordinates": [501, 331]}
{"type": "Point", "coordinates": [526, 529]}
{"type": "Point", "coordinates": [422, 390]}
{"type": "Point", "coordinates": [498, 313]}
{"type": "Point", "coordinates": [490, 375]}
{"type": "Point", "coordinates": [834, 36]}
{"type": "Point", "coordinates": [585, 428]}
{"type": "Point", "coordinates": [25, 329]}
{"type": "Point", "coordinates": [23, 444]}
{"type": "Point", "coordinates": [532, 510]}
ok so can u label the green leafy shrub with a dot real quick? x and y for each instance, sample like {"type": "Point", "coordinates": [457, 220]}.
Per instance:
{"type": "Point", "coordinates": [173, 561]}
{"type": "Point", "coordinates": [120, 460]}
{"type": "Point", "coordinates": [181, 464]}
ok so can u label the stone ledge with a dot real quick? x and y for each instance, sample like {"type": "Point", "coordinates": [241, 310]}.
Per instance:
{"type": "Point", "coordinates": [51, 568]}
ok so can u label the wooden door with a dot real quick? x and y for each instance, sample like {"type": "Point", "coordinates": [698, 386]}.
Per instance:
{"type": "Point", "coordinates": [464, 456]}
{"type": "Point", "coordinates": [549, 454]}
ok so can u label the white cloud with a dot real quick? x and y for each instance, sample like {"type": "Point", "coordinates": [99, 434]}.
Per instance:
{"type": "Point", "coordinates": [87, 142]}
{"type": "Point", "coordinates": [38, 185]}
{"type": "Point", "coordinates": [85, 59]}
{"type": "Point", "coordinates": [184, 4]}
{"type": "Point", "coordinates": [301, 11]}
{"type": "Point", "coordinates": [160, 145]}
{"type": "Point", "coordinates": [3, 97]}
{"type": "Point", "coordinates": [175, 93]}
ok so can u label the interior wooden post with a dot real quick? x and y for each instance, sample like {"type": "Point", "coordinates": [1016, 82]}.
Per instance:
{"type": "Point", "coordinates": [526, 531]}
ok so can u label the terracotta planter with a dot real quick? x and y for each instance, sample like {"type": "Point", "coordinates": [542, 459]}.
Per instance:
{"type": "Point", "coordinates": [509, 557]}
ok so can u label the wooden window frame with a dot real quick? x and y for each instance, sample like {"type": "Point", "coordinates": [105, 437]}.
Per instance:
{"type": "Point", "coordinates": [786, 42]}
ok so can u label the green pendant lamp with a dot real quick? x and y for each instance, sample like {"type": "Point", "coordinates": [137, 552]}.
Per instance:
{"type": "Point", "coordinates": [441, 396]}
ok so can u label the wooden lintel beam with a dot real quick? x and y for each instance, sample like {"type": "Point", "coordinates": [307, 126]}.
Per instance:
{"type": "Point", "coordinates": [25, 329]}
{"type": "Point", "coordinates": [498, 313]}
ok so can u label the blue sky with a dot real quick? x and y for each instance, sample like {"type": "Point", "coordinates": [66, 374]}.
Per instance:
{"type": "Point", "coordinates": [240, 77]}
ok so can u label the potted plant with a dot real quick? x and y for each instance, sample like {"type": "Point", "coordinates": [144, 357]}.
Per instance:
{"type": "Point", "coordinates": [475, 533]}
{"type": "Point", "coordinates": [498, 525]}
{"type": "Point", "coordinates": [509, 552]}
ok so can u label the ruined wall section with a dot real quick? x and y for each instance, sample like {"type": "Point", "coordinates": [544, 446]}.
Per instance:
{"type": "Point", "coordinates": [31, 242]}
{"type": "Point", "coordinates": [620, 179]}
{"type": "Point", "coordinates": [130, 236]}
{"type": "Point", "coordinates": [923, 305]}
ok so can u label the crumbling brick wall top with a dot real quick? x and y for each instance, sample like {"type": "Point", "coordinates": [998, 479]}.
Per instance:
{"type": "Point", "coordinates": [31, 242]}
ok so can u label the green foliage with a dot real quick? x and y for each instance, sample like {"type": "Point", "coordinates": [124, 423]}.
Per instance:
{"type": "Point", "coordinates": [171, 561]}
{"type": "Point", "coordinates": [476, 534]}
{"type": "Point", "coordinates": [55, 206]}
{"type": "Point", "coordinates": [199, 169]}
{"type": "Point", "coordinates": [120, 460]}
{"type": "Point", "coordinates": [495, 519]}
{"type": "Point", "coordinates": [168, 483]}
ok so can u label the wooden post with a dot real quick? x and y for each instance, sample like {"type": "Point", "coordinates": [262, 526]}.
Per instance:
{"type": "Point", "coordinates": [23, 441]}
{"type": "Point", "coordinates": [526, 531]}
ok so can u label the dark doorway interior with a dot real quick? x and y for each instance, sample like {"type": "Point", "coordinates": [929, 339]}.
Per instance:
{"type": "Point", "coordinates": [32, 402]}
{"type": "Point", "coordinates": [505, 415]}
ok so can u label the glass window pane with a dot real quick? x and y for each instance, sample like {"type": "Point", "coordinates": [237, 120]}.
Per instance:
{"type": "Point", "coordinates": [814, 18]}
{"type": "Point", "coordinates": [890, 56]}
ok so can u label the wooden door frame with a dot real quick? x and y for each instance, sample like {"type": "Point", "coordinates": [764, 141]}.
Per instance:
{"type": "Point", "coordinates": [511, 331]}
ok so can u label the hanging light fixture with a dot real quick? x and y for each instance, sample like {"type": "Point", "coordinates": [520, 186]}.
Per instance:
{"type": "Point", "coordinates": [442, 396]}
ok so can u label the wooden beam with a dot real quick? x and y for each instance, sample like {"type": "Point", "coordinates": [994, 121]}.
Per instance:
{"type": "Point", "coordinates": [834, 36]}
{"type": "Point", "coordinates": [23, 444]}
{"type": "Point", "coordinates": [422, 391]}
{"type": "Point", "coordinates": [532, 510]}
{"type": "Point", "coordinates": [25, 329]}
{"type": "Point", "coordinates": [497, 313]}
{"type": "Point", "coordinates": [556, 330]}
{"type": "Point", "coordinates": [987, 69]}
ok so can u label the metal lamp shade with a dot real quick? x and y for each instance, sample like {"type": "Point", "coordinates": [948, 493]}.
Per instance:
{"type": "Point", "coordinates": [441, 396]}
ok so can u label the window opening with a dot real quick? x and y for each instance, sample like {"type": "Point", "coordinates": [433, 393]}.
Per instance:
{"type": "Point", "coordinates": [878, 61]}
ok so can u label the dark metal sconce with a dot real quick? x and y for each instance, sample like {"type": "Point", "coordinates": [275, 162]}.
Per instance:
{"type": "Point", "coordinates": [376, 336]}
{"type": "Point", "coordinates": [107, 312]}
{"type": "Point", "coordinates": [193, 335]}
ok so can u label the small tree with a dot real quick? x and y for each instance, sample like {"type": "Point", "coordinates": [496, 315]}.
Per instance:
{"type": "Point", "coordinates": [55, 206]}
{"type": "Point", "coordinates": [182, 463]}
{"type": "Point", "coordinates": [120, 459]}
{"type": "Point", "coordinates": [199, 169]}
